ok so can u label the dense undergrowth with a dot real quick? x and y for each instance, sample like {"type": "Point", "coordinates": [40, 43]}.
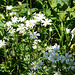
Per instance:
{"type": "Point", "coordinates": [37, 37]}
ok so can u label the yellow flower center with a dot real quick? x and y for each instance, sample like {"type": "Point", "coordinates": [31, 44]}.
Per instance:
{"type": "Point", "coordinates": [13, 19]}
{"type": "Point", "coordinates": [10, 30]}
{"type": "Point", "coordinates": [32, 74]}
{"type": "Point", "coordinates": [30, 24]}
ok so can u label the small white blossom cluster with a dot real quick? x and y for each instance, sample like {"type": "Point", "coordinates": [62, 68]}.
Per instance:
{"type": "Point", "coordinates": [20, 19]}
{"type": "Point", "coordinates": [68, 30]}
{"type": "Point", "coordinates": [12, 14]}
{"type": "Point", "coordinates": [36, 65]}
{"type": "Point", "coordinates": [30, 23]}
{"type": "Point", "coordinates": [15, 20]}
{"type": "Point", "coordinates": [35, 43]}
{"type": "Point", "coordinates": [71, 64]}
{"type": "Point", "coordinates": [42, 18]}
{"type": "Point", "coordinates": [53, 56]}
{"type": "Point", "coordinates": [9, 7]}
{"type": "Point", "coordinates": [21, 28]}
{"type": "Point", "coordinates": [38, 17]}
{"type": "Point", "coordinates": [27, 25]}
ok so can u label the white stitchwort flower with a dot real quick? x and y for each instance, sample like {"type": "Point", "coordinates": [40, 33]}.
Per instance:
{"type": "Point", "coordinates": [14, 19]}
{"type": "Point", "coordinates": [20, 27]}
{"type": "Point", "coordinates": [9, 7]}
{"type": "Point", "coordinates": [56, 48]}
{"type": "Point", "coordinates": [46, 22]}
{"type": "Point", "coordinates": [57, 73]}
{"type": "Point", "coordinates": [62, 58]}
{"type": "Point", "coordinates": [9, 23]}
{"type": "Point", "coordinates": [38, 17]}
{"type": "Point", "coordinates": [2, 43]}
{"type": "Point", "coordinates": [30, 23]}
{"type": "Point", "coordinates": [39, 64]}
{"type": "Point", "coordinates": [34, 35]}
{"type": "Point", "coordinates": [23, 32]}
{"type": "Point", "coordinates": [34, 46]}
{"type": "Point", "coordinates": [11, 30]}
{"type": "Point", "coordinates": [67, 57]}
{"type": "Point", "coordinates": [54, 57]}
{"type": "Point", "coordinates": [5, 38]}
{"type": "Point", "coordinates": [36, 41]}
{"type": "Point", "coordinates": [41, 16]}
{"type": "Point", "coordinates": [12, 13]}
{"type": "Point", "coordinates": [49, 48]}
{"type": "Point", "coordinates": [33, 65]}
{"type": "Point", "coordinates": [46, 55]}
{"type": "Point", "coordinates": [22, 19]}
{"type": "Point", "coordinates": [31, 73]}
{"type": "Point", "coordinates": [71, 64]}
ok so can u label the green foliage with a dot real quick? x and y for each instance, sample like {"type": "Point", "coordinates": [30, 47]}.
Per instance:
{"type": "Point", "coordinates": [18, 54]}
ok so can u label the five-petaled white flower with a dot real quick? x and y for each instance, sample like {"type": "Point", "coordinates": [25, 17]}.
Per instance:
{"type": "Point", "coordinates": [34, 35]}
{"type": "Point", "coordinates": [9, 23]}
{"type": "Point", "coordinates": [11, 30]}
{"type": "Point", "coordinates": [30, 23]}
{"type": "Point", "coordinates": [14, 19]}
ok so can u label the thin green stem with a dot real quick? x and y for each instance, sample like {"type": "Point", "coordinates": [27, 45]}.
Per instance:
{"type": "Point", "coordinates": [62, 32]}
{"type": "Point", "coordinates": [5, 53]}
{"type": "Point", "coordinates": [27, 7]}
{"type": "Point", "coordinates": [49, 35]}
{"type": "Point", "coordinates": [57, 30]}
{"type": "Point", "coordinates": [30, 6]}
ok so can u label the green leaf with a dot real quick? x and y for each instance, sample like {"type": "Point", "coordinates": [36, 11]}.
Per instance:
{"type": "Point", "coordinates": [40, 1]}
{"type": "Point", "coordinates": [48, 12]}
{"type": "Point", "coordinates": [62, 14]}
{"type": "Point", "coordinates": [1, 33]}
{"type": "Point", "coordinates": [62, 2]}
{"type": "Point", "coordinates": [26, 48]}
{"type": "Point", "coordinates": [15, 25]}
{"type": "Point", "coordinates": [20, 6]}
{"type": "Point", "coordinates": [34, 9]}
{"type": "Point", "coordinates": [73, 14]}
{"type": "Point", "coordinates": [24, 10]}
{"type": "Point", "coordinates": [1, 24]}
